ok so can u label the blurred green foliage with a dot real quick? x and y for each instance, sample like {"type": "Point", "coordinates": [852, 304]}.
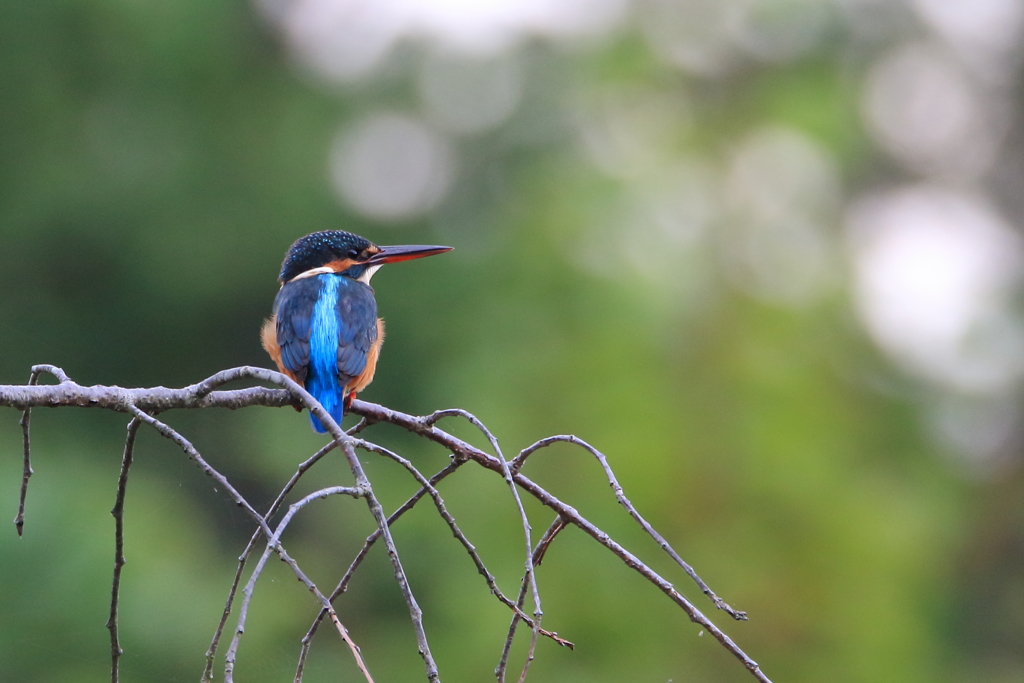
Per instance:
{"type": "Point", "coordinates": [155, 162]}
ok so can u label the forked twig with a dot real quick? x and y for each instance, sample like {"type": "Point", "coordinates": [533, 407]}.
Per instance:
{"type": "Point", "coordinates": [211, 652]}
{"type": "Point", "coordinates": [143, 404]}
{"type": "Point", "coordinates": [568, 513]}
{"type": "Point", "coordinates": [529, 576]}
{"type": "Point", "coordinates": [26, 416]}
{"type": "Point", "coordinates": [274, 545]}
{"type": "Point", "coordinates": [119, 561]}
{"type": "Point", "coordinates": [492, 583]}
{"type": "Point", "coordinates": [620, 496]}
{"type": "Point", "coordinates": [538, 556]}
{"type": "Point", "coordinates": [342, 586]}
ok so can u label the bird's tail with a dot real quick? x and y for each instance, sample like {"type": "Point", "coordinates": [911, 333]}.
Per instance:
{"type": "Point", "coordinates": [330, 399]}
{"type": "Point", "coordinates": [335, 412]}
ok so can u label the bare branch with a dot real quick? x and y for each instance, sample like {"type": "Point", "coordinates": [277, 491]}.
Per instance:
{"type": "Point", "coordinates": [119, 561]}
{"type": "Point", "coordinates": [277, 547]}
{"type": "Point", "coordinates": [492, 583]}
{"type": "Point", "coordinates": [620, 495]}
{"type": "Point", "coordinates": [143, 403]}
{"type": "Point", "coordinates": [274, 545]}
{"type": "Point", "coordinates": [568, 513]}
{"type": "Point", "coordinates": [342, 586]}
{"type": "Point", "coordinates": [156, 399]}
{"type": "Point", "coordinates": [538, 557]}
{"type": "Point", "coordinates": [203, 394]}
{"type": "Point", "coordinates": [26, 471]}
{"type": "Point", "coordinates": [211, 653]}
{"type": "Point", "coordinates": [529, 577]}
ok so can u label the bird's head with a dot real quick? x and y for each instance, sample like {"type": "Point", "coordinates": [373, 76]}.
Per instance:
{"type": "Point", "coordinates": [337, 251]}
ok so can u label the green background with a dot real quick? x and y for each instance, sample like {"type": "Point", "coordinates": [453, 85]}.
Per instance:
{"type": "Point", "coordinates": [156, 160]}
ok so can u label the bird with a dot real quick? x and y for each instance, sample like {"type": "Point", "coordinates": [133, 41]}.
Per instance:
{"type": "Point", "coordinates": [324, 332]}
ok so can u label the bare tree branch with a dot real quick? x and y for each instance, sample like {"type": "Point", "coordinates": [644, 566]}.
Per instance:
{"type": "Point", "coordinates": [143, 404]}
{"type": "Point", "coordinates": [529, 576]}
{"type": "Point", "coordinates": [342, 586]}
{"type": "Point", "coordinates": [457, 532]}
{"type": "Point", "coordinates": [538, 557]}
{"type": "Point", "coordinates": [203, 394]}
{"type": "Point", "coordinates": [211, 653]}
{"type": "Point", "coordinates": [119, 561]}
{"type": "Point", "coordinates": [272, 545]}
{"type": "Point", "coordinates": [458, 446]}
{"type": "Point", "coordinates": [201, 391]}
{"type": "Point", "coordinates": [620, 495]}
{"type": "Point", "coordinates": [19, 520]}
{"type": "Point", "coordinates": [273, 542]}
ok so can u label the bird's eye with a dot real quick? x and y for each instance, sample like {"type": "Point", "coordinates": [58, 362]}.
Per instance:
{"type": "Point", "coordinates": [353, 254]}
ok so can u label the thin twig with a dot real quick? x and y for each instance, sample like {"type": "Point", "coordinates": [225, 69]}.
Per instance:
{"type": "Point", "coordinates": [203, 394]}
{"type": "Point", "coordinates": [26, 416]}
{"type": "Point", "coordinates": [274, 545]}
{"type": "Point", "coordinates": [138, 402]}
{"type": "Point", "coordinates": [342, 586]}
{"type": "Point", "coordinates": [545, 542]}
{"type": "Point", "coordinates": [620, 496]}
{"type": "Point", "coordinates": [492, 583]}
{"type": "Point", "coordinates": [459, 447]}
{"type": "Point", "coordinates": [538, 556]}
{"type": "Point", "coordinates": [529, 576]}
{"type": "Point", "coordinates": [26, 467]}
{"type": "Point", "coordinates": [119, 561]}
{"type": "Point", "coordinates": [211, 652]}
{"type": "Point", "coordinates": [169, 432]}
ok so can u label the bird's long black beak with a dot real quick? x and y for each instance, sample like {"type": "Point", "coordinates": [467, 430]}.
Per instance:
{"type": "Point", "coordinates": [405, 252]}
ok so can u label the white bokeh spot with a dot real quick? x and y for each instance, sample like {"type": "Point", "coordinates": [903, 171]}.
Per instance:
{"type": "Point", "coordinates": [935, 270]}
{"type": "Point", "coordinates": [467, 95]}
{"type": "Point", "coordinates": [390, 166]}
{"type": "Point", "coordinates": [921, 106]}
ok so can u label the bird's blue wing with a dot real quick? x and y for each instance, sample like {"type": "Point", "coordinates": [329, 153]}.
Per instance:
{"type": "Point", "coordinates": [293, 310]}
{"type": "Point", "coordinates": [357, 327]}
{"type": "Point", "coordinates": [325, 344]}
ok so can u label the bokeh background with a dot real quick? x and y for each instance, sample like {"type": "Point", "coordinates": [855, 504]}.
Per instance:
{"type": "Point", "coordinates": [765, 254]}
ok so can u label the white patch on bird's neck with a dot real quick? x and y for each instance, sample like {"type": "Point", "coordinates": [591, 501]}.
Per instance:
{"type": "Point", "coordinates": [327, 270]}
{"type": "Point", "coordinates": [368, 273]}
{"type": "Point", "coordinates": [322, 270]}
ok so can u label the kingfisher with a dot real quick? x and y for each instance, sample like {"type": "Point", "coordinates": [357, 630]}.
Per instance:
{"type": "Point", "coordinates": [324, 332]}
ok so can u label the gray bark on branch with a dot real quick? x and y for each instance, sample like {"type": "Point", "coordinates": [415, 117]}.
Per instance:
{"type": "Point", "coordinates": [144, 403]}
